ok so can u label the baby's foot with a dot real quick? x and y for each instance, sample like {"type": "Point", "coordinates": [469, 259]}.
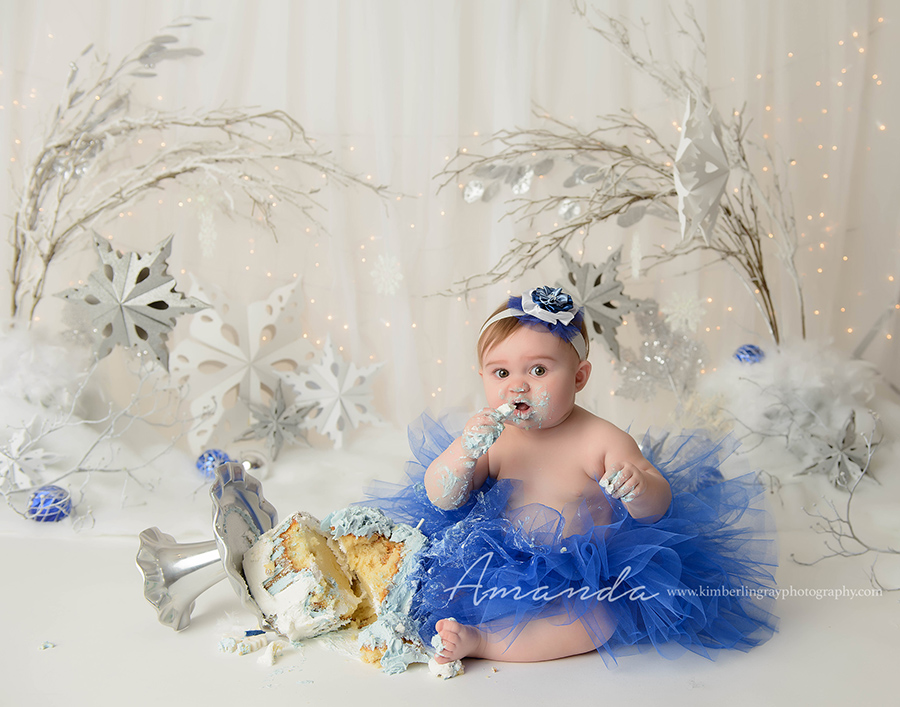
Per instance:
{"type": "Point", "coordinates": [457, 640]}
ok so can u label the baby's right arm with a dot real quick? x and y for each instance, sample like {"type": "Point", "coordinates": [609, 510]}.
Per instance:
{"type": "Point", "coordinates": [463, 465]}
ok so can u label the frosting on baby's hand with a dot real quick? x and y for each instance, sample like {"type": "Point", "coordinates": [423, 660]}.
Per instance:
{"type": "Point", "coordinates": [477, 441]}
{"type": "Point", "coordinates": [623, 483]}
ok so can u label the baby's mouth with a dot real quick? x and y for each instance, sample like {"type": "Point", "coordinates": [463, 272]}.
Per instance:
{"type": "Point", "coordinates": [522, 408]}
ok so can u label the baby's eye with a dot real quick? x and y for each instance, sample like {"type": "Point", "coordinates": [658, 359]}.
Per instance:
{"type": "Point", "coordinates": [501, 373]}
{"type": "Point", "coordinates": [538, 371]}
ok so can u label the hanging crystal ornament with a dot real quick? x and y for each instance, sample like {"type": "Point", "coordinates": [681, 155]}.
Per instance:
{"type": "Point", "coordinates": [473, 191]}
{"type": "Point", "coordinates": [522, 184]}
{"type": "Point", "coordinates": [569, 209]}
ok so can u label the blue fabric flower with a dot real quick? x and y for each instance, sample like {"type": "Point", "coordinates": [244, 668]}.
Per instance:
{"type": "Point", "coordinates": [552, 299]}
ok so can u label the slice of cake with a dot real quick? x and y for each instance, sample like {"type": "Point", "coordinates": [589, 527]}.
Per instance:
{"type": "Point", "coordinates": [383, 556]}
{"type": "Point", "coordinates": [299, 578]}
{"type": "Point", "coordinates": [354, 569]}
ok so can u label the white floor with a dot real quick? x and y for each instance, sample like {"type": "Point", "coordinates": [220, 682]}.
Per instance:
{"type": "Point", "coordinates": [77, 630]}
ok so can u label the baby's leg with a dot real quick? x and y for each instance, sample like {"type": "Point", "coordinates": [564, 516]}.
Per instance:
{"type": "Point", "coordinates": [537, 641]}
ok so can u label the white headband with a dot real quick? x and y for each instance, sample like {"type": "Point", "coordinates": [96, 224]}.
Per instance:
{"type": "Point", "coordinates": [539, 304]}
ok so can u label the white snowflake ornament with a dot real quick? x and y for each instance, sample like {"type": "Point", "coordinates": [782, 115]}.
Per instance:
{"type": "Point", "coordinates": [701, 171]}
{"type": "Point", "coordinates": [235, 356]}
{"type": "Point", "coordinates": [387, 275]}
{"type": "Point", "coordinates": [683, 312]}
{"type": "Point", "coordinates": [340, 393]}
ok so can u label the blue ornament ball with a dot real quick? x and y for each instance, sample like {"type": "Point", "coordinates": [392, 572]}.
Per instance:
{"type": "Point", "coordinates": [749, 353]}
{"type": "Point", "coordinates": [210, 460]}
{"type": "Point", "coordinates": [50, 504]}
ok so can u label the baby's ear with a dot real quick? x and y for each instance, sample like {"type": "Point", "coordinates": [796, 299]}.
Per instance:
{"type": "Point", "coordinates": [582, 374]}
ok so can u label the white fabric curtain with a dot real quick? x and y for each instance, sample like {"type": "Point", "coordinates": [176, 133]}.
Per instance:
{"type": "Point", "coordinates": [394, 88]}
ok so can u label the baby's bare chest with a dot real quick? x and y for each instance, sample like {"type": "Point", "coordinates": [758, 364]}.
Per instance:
{"type": "Point", "coordinates": [553, 477]}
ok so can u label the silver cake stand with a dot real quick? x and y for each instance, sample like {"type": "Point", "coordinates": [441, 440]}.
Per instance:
{"type": "Point", "coordinates": [175, 574]}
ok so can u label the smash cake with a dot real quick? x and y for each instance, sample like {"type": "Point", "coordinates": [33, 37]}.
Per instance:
{"type": "Point", "coordinates": [352, 570]}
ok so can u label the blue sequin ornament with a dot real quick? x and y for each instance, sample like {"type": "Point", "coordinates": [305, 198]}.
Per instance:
{"type": "Point", "coordinates": [50, 504]}
{"type": "Point", "coordinates": [210, 460]}
{"type": "Point", "coordinates": [749, 353]}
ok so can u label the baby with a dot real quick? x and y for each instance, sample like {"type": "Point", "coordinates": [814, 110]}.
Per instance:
{"type": "Point", "coordinates": [533, 361]}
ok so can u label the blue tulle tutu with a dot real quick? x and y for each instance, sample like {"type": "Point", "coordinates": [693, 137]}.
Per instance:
{"type": "Point", "coordinates": [699, 579]}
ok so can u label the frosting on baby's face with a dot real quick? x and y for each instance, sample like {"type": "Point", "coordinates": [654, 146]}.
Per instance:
{"type": "Point", "coordinates": [538, 373]}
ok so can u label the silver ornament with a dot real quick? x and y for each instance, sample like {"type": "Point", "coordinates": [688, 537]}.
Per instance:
{"type": "Point", "coordinates": [255, 463]}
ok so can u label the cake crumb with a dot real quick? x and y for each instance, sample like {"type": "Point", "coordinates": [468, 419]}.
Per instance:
{"type": "Point", "coordinates": [242, 645]}
{"type": "Point", "coordinates": [446, 671]}
{"type": "Point", "coordinates": [271, 653]}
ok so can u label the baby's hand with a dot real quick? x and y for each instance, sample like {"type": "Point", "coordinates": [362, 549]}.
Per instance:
{"type": "Point", "coordinates": [624, 481]}
{"type": "Point", "coordinates": [483, 429]}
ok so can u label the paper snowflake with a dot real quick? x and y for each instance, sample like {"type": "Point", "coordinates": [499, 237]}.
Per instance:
{"type": "Point", "coordinates": [701, 171]}
{"type": "Point", "coordinates": [387, 275]}
{"type": "Point", "coordinates": [235, 356]}
{"type": "Point", "coordinates": [683, 312]}
{"type": "Point", "coordinates": [597, 290]}
{"type": "Point", "coordinates": [21, 462]}
{"type": "Point", "coordinates": [278, 423]}
{"type": "Point", "coordinates": [844, 456]}
{"type": "Point", "coordinates": [339, 392]}
{"type": "Point", "coordinates": [132, 300]}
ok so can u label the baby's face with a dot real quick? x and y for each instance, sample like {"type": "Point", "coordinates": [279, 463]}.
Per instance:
{"type": "Point", "coordinates": [535, 371]}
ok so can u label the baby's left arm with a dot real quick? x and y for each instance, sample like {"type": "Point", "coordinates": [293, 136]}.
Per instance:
{"type": "Point", "coordinates": [630, 477]}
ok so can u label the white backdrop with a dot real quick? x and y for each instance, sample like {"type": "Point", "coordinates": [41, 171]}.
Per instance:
{"type": "Point", "coordinates": [393, 88]}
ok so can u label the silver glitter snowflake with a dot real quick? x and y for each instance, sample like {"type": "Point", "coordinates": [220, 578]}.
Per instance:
{"type": "Point", "coordinates": [666, 360]}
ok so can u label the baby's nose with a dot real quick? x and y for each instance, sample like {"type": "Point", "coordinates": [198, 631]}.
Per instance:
{"type": "Point", "coordinates": [519, 386]}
